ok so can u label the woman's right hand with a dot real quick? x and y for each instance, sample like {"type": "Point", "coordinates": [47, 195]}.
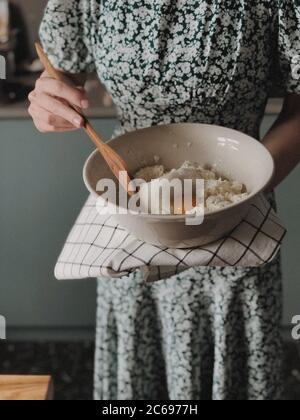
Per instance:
{"type": "Point", "coordinates": [49, 105]}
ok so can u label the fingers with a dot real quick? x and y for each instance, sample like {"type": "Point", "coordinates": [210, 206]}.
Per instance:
{"type": "Point", "coordinates": [50, 104]}
{"type": "Point", "coordinates": [56, 108]}
{"type": "Point", "coordinates": [71, 94]}
{"type": "Point", "coordinates": [46, 122]}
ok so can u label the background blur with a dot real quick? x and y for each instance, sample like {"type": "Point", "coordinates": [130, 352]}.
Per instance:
{"type": "Point", "coordinates": [41, 192]}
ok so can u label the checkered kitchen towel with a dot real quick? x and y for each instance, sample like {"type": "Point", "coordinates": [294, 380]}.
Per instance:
{"type": "Point", "coordinates": [98, 247]}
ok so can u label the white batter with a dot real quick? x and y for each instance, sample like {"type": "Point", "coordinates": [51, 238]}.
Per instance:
{"type": "Point", "coordinates": [219, 191]}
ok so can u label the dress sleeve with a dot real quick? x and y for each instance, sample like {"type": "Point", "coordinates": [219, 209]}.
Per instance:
{"type": "Point", "coordinates": [289, 44]}
{"type": "Point", "coordinates": [66, 36]}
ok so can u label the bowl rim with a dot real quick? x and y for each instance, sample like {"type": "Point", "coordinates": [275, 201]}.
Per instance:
{"type": "Point", "coordinates": [165, 217]}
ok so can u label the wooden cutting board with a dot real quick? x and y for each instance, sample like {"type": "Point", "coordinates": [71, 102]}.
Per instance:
{"type": "Point", "coordinates": [25, 388]}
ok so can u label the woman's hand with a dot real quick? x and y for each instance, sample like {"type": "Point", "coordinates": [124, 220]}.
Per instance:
{"type": "Point", "coordinates": [49, 105]}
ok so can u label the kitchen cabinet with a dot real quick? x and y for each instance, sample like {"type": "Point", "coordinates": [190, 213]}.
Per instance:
{"type": "Point", "coordinates": [41, 192]}
{"type": "Point", "coordinates": [289, 210]}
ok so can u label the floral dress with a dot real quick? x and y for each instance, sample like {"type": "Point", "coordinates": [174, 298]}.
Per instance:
{"type": "Point", "coordinates": [209, 333]}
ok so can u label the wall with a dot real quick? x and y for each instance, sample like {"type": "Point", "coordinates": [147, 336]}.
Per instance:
{"type": "Point", "coordinates": [26, 16]}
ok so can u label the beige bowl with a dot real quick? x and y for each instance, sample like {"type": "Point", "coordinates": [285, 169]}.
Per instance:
{"type": "Point", "coordinates": [235, 155]}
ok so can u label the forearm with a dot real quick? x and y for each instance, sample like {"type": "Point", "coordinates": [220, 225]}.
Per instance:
{"type": "Point", "coordinates": [283, 140]}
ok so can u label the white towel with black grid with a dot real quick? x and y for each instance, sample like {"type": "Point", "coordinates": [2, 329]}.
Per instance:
{"type": "Point", "coordinates": [98, 247]}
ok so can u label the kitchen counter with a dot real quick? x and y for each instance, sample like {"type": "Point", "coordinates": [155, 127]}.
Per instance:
{"type": "Point", "coordinates": [101, 106]}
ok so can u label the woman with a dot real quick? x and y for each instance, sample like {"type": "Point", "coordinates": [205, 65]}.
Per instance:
{"type": "Point", "coordinates": [207, 333]}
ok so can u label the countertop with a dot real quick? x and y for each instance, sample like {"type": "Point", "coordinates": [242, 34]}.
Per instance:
{"type": "Point", "coordinates": [101, 105]}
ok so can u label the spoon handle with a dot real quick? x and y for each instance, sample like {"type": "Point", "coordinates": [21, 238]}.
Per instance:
{"type": "Point", "coordinates": [114, 161]}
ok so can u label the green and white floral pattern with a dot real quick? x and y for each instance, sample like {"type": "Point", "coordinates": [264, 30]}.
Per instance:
{"type": "Point", "coordinates": [210, 334]}
{"type": "Point", "coordinates": [207, 333]}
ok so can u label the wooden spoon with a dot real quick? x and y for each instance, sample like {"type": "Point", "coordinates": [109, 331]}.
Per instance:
{"type": "Point", "coordinates": [114, 161]}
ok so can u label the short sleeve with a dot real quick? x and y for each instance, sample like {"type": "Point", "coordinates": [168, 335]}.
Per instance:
{"type": "Point", "coordinates": [289, 44]}
{"type": "Point", "coordinates": [65, 33]}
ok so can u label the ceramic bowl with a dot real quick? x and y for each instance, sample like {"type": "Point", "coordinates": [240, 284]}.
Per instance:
{"type": "Point", "coordinates": [234, 154]}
